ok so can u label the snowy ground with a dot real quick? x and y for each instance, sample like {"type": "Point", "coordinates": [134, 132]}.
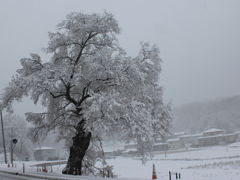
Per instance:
{"type": "Point", "coordinates": [210, 163]}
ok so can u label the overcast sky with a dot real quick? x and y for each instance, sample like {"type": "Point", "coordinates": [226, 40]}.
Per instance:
{"type": "Point", "coordinates": [199, 40]}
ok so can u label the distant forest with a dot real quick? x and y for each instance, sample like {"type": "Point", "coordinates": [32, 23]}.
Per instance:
{"type": "Point", "coordinates": [222, 113]}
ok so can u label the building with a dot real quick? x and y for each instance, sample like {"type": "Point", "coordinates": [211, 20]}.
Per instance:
{"type": "Point", "coordinates": [230, 138]}
{"type": "Point", "coordinates": [190, 140]}
{"type": "Point", "coordinates": [45, 153]}
{"type": "Point", "coordinates": [174, 144]}
{"type": "Point", "coordinates": [220, 139]}
{"type": "Point", "coordinates": [238, 135]}
{"type": "Point", "coordinates": [160, 147]}
{"type": "Point", "coordinates": [130, 146]}
{"type": "Point", "coordinates": [212, 132]}
{"type": "Point", "coordinates": [211, 140]}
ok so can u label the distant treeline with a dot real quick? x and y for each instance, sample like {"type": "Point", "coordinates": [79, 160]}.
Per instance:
{"type": "Point", "coordinates": [223, 113]}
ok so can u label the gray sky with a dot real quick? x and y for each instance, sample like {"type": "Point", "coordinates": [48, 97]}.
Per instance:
{"type": "Point", "coordinates": [199, 40]}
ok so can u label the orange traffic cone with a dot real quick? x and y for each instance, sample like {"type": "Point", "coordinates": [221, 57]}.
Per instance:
{"type": "Point", "coordinates": [154, 174]}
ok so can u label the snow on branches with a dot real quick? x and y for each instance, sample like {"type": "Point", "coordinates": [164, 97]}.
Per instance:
{"type": "Point", "coordinates": [90, 77]}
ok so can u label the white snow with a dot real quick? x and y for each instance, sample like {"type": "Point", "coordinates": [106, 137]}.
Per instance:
{"type": "Point", "coordinates": [209, 163]}
{"type": "Point", "coordinates": [237, 144]}
{"type": "Point", "coordinates": [190, 135]}
{"type": "Point", "coordinates": [173, 140]}
{"type": "Point", "coordinates": [213, 130]}
{"type": "Point", "coordinates": [44, 148]}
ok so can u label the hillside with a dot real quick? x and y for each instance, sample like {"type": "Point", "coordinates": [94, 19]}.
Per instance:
{"type": "Point", "coordinates": [223, 113]}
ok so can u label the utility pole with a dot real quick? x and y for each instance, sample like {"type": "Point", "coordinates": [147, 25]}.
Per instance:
{"type": "Point", "coordinates": [13, 143]}
{"type": "Point", "coordinates": [11, 152]}
{"type": "Point", "coordinates": [4, 145]}
{"type": "Point", "coordinates": [11, 147]}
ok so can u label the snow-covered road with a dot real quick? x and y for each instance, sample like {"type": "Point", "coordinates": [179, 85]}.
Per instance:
{"type": "Point", "coordinates": [6, 176]}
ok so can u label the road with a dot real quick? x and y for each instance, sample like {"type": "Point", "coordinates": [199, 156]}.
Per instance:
{"type": "Point", "coordinates": [5, 176]}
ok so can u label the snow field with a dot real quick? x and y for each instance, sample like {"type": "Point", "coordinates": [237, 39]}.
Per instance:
{"type": "Point", "coordinates": [210, 163]}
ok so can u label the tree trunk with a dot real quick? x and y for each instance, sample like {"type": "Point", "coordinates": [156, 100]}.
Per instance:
{"type": "Point", "coordinates": [80, 145]}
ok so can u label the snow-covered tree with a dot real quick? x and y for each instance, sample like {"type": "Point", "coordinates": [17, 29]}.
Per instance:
{"type": "Point", "coordinates": [92, 88]}
{"type": "Point", "coordinates": [16, 127]}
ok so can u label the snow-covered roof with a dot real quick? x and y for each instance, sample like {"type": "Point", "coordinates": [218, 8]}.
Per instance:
{"type": "Point", "coordinates": [44, 148]}
{"type": "Point", "coordinates": [173, 140]}
{"type": "Point", "coordinates": [131, 143]}
{"type": "Point", "coordinates": [212, 136]}
{"type": "Point", "coordinates": [237, 144]}
{"type": "Point", "coordinates": [179, 133]}
{"type": "Point", "coordinates": [160, 143]}
{"type": "Point", "coordinates": [212, 130]}
{"type": "Point", "coordinates": [190, 135]}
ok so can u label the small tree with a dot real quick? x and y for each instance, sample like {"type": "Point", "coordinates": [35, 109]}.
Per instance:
{"type": "Point", "coordinates": [91, 87]}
